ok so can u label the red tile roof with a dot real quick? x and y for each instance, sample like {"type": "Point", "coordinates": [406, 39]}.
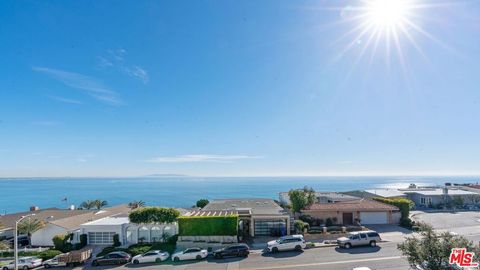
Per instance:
{"type": "Point", "coordinates": [357, 205]}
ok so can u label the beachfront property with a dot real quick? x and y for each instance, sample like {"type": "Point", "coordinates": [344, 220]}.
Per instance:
{"type": "Point", "coordinates": [350, 212]}
{"type": "Point", "coordinates": [257, 217]}
{"type": "Point", "coordinates": [321, 197]}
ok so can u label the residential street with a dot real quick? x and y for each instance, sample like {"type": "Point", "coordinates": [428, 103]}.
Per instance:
{"type": "Point", "coordinates": [385, 257]}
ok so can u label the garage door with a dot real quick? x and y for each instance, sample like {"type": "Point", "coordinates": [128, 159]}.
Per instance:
{"type": "Point", "coordinates": [373, 218]}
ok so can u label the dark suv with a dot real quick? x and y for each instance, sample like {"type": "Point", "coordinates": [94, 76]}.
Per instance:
{"type": "Point", "coordinates": [238, 250]}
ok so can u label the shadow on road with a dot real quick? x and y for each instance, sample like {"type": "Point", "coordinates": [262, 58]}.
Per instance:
{"type": "Point", "coordinates": [285, 254]}
{"type": "Point", "coordinates": [225, 260]}
{"type": "Point", "coordinates": [358, 250]}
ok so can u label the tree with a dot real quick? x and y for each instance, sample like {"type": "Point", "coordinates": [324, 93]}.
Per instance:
{"type": "Point", "coordinates": [99, 204]}
{"type": "Point", "coordinates": [4, 245]}
{"type": "Point", "coordinates": [154, 215]}
{"type": "Point", "coordinates": [29, 226]}
{"type": "Point", "coordinates": [87, 205]}
{"type": "Point", "coordinates": [202, 203]}
{"type": "Point", "coordinates": [301, 198]}
{"type": "Point", "coordinates": [431, 250]}
{"type": "Point", "coordinates": [136, 204]}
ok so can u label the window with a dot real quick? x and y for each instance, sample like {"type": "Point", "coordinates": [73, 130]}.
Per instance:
{"type": "Point", "coordinates": [100, 238]}
{"type": "Point", "coordinates": [156, 234]}
{"type": "Point", "coordinates": [143, 234]}
{"type": "Point", "coordinates": [372, 234]}
{"type": "Point", "coordinates": [363, 236]}
{"type": "Point", "coordinates": [131, 235]}
{"type": "Point", "coordinates": [426, 200]}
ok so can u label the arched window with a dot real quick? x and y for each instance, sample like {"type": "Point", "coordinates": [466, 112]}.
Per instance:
{"type": "Point", "coordinates": [143, 235]}
{"type": "Point", "coordinates": [131, 235]}
{"type": "Point", "coordinates": [156, 234]}
{"type": "Point", "coordinates": [169, 231]}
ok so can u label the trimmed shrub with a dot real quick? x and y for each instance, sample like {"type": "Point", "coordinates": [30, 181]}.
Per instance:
{"type": "Point", "coordinates": [208, 226]}
{"type": "Point", "coordinates": [300, 226]}
{"type": "Point", "coordinates": [154, 215]}
{"type": "Point", "coordinates": [328, 222]}
{"type": "Point", "coordinates": [62, 242]}
{"type": "Point", "coordinates": [44, 255]}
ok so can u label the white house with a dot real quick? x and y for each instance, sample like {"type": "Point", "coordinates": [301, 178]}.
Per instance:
{"type": "Point", "coordinates": [72, 223]}
{"type": "Point", "coordinates": [101, 232]}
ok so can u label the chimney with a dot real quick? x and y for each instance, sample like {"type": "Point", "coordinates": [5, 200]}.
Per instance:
{"type": "Point", "coordinates": [34, 208]}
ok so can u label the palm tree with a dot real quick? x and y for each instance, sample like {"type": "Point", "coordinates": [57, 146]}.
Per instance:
{"type": "Point", "coordinates": [29, 226]}
{"type": "Point", "coordinates": [99, 204]}
{"type": "Point", "coordinates": [87, 205]}
{"type": "Point", "coordinates": [136, 204]}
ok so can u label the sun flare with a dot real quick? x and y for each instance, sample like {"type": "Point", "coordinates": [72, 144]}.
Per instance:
{"type": "Point", "coordinates": [386, 13]}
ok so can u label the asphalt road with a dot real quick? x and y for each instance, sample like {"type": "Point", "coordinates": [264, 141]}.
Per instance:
{"type": "Point", "coordinates": [385, 257]}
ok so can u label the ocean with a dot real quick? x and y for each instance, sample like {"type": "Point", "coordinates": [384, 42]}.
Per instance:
{"type": "Point", "coordinates": [19, 194]}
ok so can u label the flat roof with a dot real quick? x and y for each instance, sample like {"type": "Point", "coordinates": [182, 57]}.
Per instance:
{"type": "Point", "coordinates": [109, 221]}
{"type": "Point", "coordinates": [386, 192]}
{"type": "Point", "coordinates": [358, 205]}
{"type": "Point", "coordinates": [439, 191]}
{"type": "Point", "coordinates": [256, 206]}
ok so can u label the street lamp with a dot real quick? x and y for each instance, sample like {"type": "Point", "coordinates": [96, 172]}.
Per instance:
{"type": "Point", "coordinates": [15, 241]}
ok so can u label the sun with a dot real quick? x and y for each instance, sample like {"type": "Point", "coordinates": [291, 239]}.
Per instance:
{"type": "Point", "coordinates": [382, 29]}
{"type": "Point", "coordinates": [387, 13]}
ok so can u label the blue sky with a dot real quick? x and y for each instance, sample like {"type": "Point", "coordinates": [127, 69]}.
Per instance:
{"type": "Point", "coordinates": [124, 88]}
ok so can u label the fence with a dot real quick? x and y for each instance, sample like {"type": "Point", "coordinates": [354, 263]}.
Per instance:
{"type": "Point", "coordinates": [25, 249]}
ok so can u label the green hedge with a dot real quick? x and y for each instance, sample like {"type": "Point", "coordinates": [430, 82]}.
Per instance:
{"type": "Point", "coordinates": [206, 226]}
{"type": "Point", "coordinates": [403, 204]}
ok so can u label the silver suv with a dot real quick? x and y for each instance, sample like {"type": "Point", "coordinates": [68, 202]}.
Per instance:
{"type": "Point", "coordinates": [363, 238]}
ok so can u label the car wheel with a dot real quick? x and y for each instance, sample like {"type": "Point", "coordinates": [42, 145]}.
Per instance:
{"type": "Point", "coordinates": [5, 268]}
{"type": "Point", "coordinates": [373, 243]}
{"type": "Point", "coordinates": [158, 260]}
{"type": "Point", "coordinates": [274, 250]}
{"type": "Point", "coordinates": [46, 266]}
{"type": "Point", "coordinates": [298, 248]}
{"type": "Point", "coordinates": [25, 267]}
{"type": "Point", "coordinates": [198, 257]}
{"type": "Point", "coordinates": [136, 262]}
{"type": "Point", "coordinates": [218, 256]}
{"type": "Point", "coordinates": [176, 259]}
{"type": "Point", "coordinates": [94, 263]}
{"type": "Point", "coordinates": [348, 245]}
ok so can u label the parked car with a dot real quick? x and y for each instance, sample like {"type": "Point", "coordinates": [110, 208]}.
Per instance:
{"type": "Point", "coordinates": [151, 256]}
{"type": "Point", "coordinates": [238, 250]}
{"type": "Point", "coordinates": [361, 238]}
{"type": "Point", "coordinates": [190, 254]}
{"type": "Point", "coordinates": [116, 257]}
{"type": "Point", "coordinates": [53, 262]}
{"type": "Point", "coordinates": [291, 242]}
{"type": "Point", "coordinates": [362, 268]}
{"type": "Point", "coordinates": [24, 263]}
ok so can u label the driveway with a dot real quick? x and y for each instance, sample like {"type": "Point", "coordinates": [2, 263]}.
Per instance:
{"type": "Point", "coordinates": [390, 233]}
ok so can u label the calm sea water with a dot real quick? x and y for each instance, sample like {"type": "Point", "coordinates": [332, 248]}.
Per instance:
{"type": "Point", "coordinates": [19, 194]}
